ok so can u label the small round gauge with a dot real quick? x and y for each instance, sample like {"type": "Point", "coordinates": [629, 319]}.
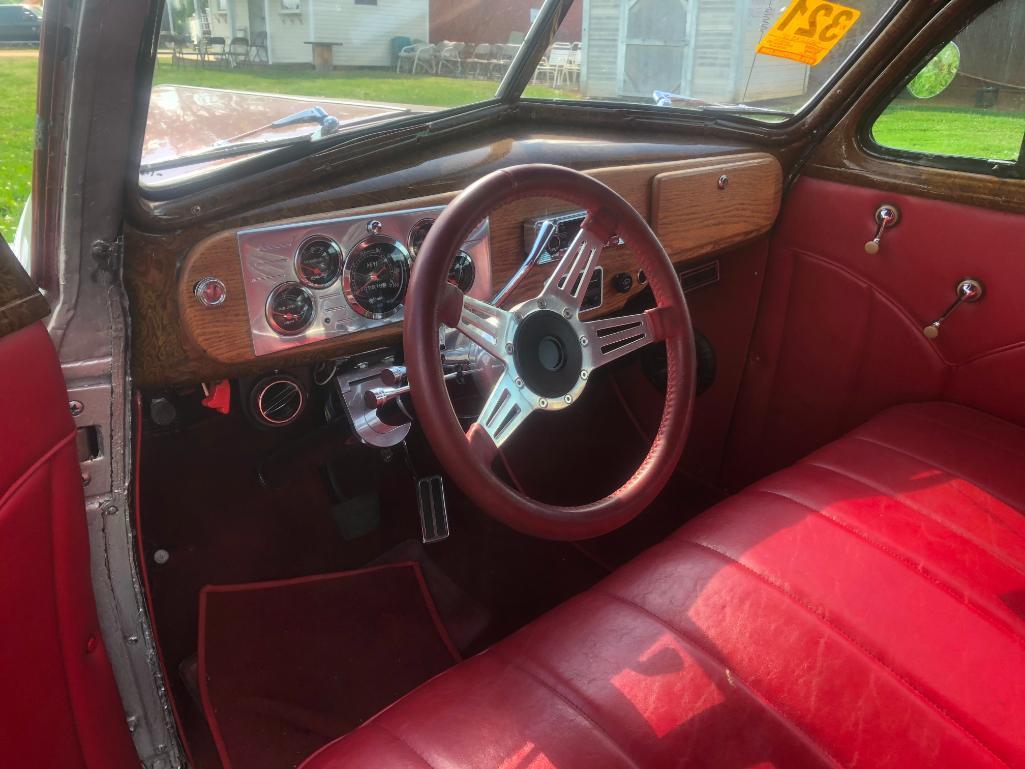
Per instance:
{"type": "Point", "coordinates": [462, 272]}
{"type": "Point", "coordinates": [375, 275]}
{"type": "Point", "coordinates": [418, 235]}
{"type": "Point", "coordinates": [290, 309]}
{"type": "Point", "coordinates": [318, 261]}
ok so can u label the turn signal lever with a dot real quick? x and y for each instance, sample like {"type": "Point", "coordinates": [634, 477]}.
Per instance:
{"type": "Point", "coordinates": [886, 216]}
{"type": "Point", "coordinates": [968, 291]}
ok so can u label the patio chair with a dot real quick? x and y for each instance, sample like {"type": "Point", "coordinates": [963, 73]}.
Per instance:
{"type": "Point", "coordinates": [258, 48]}
{"type": "Point", "coordinates": [479, 63]}
{"type": "Point", "coordinates": [502, 59]}
{"type": "Point", "coordinates": [424, 58]}
{"type": "Point", "coordinates": [408, 55]}
{"type": "Point", "coordinates": [450, 59]}
{"type": "Point", "coordinates": [552, 69]}
{"type": "Point", "coordinates": [184, 51]}
{"type": "Point", "coordinates": [238, 52]}
{"type": "Point", "coordinates": [215, 50]}
{"type": "Point", "coordinates": [571, 70]}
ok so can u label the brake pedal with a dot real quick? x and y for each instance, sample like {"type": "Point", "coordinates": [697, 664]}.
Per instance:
{"type": "Point", "coordinates": [430, 497]}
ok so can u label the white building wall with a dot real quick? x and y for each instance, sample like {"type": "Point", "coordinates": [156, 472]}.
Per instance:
{"type": "Point", "coordinates": [286, 31]}
{"type": "Point", "coordinates": [365, 31]}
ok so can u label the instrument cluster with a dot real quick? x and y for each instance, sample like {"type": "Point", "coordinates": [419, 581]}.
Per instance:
{"type": "Point", "coordinates": [315, 280]}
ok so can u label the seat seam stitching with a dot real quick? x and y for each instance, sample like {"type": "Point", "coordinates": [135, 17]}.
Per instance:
{"type": "Point", "coordinates": [689, 640]}
{"type": "Point", "coordinates": [934, 465]}
{"type": "Point", "coordinates": [904, 561]}
{"type": "Point", "coordinates": [398, 738]}
{"type": "Point", "coordinates": [916, 415]}
{"type": "Point", "coordinates": [575, 706]}
{"type": "Point", "coordinates": [928, 514]}
{"type": "Point", "coordinates": [850, 640]}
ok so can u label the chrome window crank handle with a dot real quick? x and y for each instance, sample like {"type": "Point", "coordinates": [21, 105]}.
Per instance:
{"type": "Point", "coordinates": [887, 216]}
{"type": "Point", "coordinates": [968, 290]}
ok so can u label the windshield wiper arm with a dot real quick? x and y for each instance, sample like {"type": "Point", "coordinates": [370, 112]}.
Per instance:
{"type": "Point", "coordinates": [232, 147]}
{"type": "Point", "coordinates": [314, 114]}
{"type": "Point", "coordinates": [667, 99]}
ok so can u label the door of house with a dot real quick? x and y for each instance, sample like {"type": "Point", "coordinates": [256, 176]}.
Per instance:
{"type": "Point", "coordinates": [652, 47]}
{"type": "Point", "coordinates": [257, 21]}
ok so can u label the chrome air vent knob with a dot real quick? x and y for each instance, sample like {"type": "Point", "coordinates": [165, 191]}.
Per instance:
{"type": "Point", "coordinates": [278, 400]}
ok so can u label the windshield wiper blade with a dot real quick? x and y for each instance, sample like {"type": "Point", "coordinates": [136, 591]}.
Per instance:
{"type": "Point", "coordinates": [667, 99]}
{"type": "Point", "coordinates": [225, 151]}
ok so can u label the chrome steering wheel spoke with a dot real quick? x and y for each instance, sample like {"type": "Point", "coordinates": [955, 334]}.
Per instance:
{"type": "Point", "coordinates": [568, 283]}
{"type": "Point", "coordinates": [488, 326]}
{"type": "Point", "coordinates": [612, 338]}
{"type": "Point", "coordinates": [504, 411]}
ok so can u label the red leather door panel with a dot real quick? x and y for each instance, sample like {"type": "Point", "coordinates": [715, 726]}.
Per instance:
{"type": "Point", "coordinates": [59, 706]}
{"type": "Point", "coordinates": [839, 334]}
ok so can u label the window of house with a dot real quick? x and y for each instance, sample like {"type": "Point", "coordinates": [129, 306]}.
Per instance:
{"type": "Point", "coordinates": [968, 100]}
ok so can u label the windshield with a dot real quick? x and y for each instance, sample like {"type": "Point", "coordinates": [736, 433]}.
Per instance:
{"type": "Point", "coordinates": [238, 77]}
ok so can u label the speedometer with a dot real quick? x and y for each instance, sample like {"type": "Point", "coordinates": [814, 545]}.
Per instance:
{"type": "Point", "coordinates": [374, 277]}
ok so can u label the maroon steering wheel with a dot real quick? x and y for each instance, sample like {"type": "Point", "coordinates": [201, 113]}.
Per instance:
{"type": "Point", "coordinates": [548, 353]}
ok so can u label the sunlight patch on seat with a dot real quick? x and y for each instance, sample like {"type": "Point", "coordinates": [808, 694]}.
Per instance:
{"type": "Point", "coordinates": [667, 687]}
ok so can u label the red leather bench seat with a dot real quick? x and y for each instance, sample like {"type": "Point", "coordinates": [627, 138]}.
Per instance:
{"type": "Point", "coordinates": [863, 608]}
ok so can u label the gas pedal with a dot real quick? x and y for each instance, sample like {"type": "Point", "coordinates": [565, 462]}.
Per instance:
{"type": "Point", "coordinates": [430, 496]}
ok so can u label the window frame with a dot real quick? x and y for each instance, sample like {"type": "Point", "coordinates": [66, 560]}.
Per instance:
{"type": "Point", "coordinates": [1002, 169]}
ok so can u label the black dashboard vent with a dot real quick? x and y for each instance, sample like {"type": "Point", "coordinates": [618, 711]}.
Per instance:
{"type": "Point", "coordinates": [278, 400]}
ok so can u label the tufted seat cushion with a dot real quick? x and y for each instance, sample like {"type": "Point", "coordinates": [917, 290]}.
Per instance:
{"type": "Point", "coordinates": [863, 608]}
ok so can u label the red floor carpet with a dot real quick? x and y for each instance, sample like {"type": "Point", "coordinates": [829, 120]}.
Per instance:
{"type": "Point", "coordinates": [286, 666]}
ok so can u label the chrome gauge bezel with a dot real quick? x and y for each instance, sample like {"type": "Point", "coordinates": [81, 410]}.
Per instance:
{"type": "Point", "coordinates": [298, 253]}
{"type": "Point", "coordinates": [354, 252]}
{"type": "Point", "coordinates": [429, 221]}
{"type": "Point", "coordinates": [270, 301]}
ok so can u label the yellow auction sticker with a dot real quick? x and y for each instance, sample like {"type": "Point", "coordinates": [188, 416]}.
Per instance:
{"type": "Point", "coordinates": [808, 30]}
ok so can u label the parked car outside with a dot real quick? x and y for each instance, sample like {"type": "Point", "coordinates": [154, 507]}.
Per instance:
{"type": "Point", "coordinates": [19, 23]}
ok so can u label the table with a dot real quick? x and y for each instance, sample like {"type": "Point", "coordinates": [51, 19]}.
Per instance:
{"type": "Point", "coordinates": [323, 55]}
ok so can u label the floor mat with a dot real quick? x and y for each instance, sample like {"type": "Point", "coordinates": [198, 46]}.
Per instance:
{"type": "Point", "coordinates": [287, 666]}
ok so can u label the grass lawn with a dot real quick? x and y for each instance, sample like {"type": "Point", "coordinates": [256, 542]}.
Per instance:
{"type": "Point", "coordinates": [17, 127]}
{"type": "Point", "coordinates": [950, 131]}
{"type": "Point", "coordinates": [362, 85]}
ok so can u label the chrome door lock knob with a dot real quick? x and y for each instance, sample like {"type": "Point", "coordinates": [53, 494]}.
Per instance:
{"type": "Point", "coordinates": [968, 290]}
{"type": "Point", "coordinates": [887, 216]}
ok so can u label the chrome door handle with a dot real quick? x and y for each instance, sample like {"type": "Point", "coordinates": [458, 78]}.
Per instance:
{"type": "Point", "coordinates": [968, 290]}
{"type": "Point", "coordinates": [887, 215]}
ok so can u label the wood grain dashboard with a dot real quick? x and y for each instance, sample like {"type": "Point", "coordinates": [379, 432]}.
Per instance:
{"type": "Point", "coordinates": [696, 207]}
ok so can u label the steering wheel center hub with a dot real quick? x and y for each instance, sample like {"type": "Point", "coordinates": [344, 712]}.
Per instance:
{"type": "Point", "coordinates": [548, 354]}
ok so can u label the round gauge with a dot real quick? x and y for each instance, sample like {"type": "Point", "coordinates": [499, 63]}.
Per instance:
{"type": "Point", "coordinates": [290, 309]}
{"type": "Point", "coordinates": [318, 262]}
{"type": "Point", "coordinates": [418, 235]}
{"type": "Point", "coordinates": [462, 272]}
{"type": "Point", "coordinates": [374, 277]}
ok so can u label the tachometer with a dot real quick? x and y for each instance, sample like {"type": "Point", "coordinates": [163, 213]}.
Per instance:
{"type": "Point", "coordinates": [462, 272]}
{"type": "Point", "coordinates": [374, 277]}
{"type": "Point", "coordinates": [318, 261]}
{"type": "Point", "coordinates": [418, 234]}
{"type": "Point", "coordinates": [290, 309]}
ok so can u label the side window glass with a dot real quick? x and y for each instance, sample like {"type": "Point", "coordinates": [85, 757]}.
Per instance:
{"type": "Point", "coordinates": [968, 101]}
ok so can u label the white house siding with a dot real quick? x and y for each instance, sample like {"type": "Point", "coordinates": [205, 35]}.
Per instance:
{"type": "Point", "coordinates": [599, 69]}
{"type": "Point", "coordinates": [714, 40]}
{"type": "Point", "coordinates": [365, 31]}
{"type": "Point", "coordinates": [286, 33]}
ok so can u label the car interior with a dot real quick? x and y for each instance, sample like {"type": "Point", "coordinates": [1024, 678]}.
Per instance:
{"type": "Point", "coordinates": [534, 433]}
